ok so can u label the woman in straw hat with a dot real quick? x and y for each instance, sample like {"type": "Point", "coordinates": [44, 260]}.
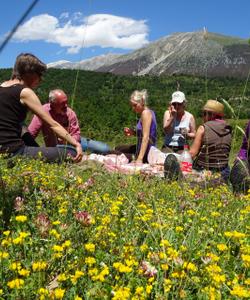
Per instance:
{"type": "Point", "coordinates": [212, 143]}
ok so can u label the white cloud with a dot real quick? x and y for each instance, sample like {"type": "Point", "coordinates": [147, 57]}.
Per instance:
{"type": "Point", "coordinates": [96, 30]}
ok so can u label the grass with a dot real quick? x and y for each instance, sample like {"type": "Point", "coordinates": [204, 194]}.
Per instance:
{"type": "Point", "coordinates": [78, 232]}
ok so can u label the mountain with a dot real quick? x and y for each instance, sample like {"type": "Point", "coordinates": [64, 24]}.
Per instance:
{"type": "Point", "coordinates": [197, 53]}
{"type": "Point", "coordinates": [90, 64]}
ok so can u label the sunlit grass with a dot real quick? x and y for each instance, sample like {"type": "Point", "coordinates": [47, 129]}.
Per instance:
{"type": "Point", "coordinates": [77, 232]}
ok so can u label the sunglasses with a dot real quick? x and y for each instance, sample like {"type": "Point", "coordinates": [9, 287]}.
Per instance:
{"type": "Point", "coordinates": [176, 104]}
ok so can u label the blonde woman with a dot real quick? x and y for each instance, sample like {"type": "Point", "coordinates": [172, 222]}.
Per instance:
{"type": "Point", "coordinates": [146, 129]}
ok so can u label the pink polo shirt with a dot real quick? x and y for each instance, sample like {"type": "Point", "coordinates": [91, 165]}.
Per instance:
{"type": "Point", "coordinates": [69, 121]}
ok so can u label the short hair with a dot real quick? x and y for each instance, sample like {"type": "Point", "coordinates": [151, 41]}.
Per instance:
{"type": "Point", "coordinates": [52, 94]}
{"type": "Point", "coordinates": [138, 96]}
{"type": "Point", "coordinates": [27, 63]}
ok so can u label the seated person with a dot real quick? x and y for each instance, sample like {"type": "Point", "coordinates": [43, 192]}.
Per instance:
{"type": "Point", "coordinates": [16, 99]}
{"type": "Point", "coordinates": [178, 124]}
{"type": "Point", "coordinates": [59, 111]}
{"type": "Point", "coordinates": [145, 130]}
{"type": "Point", "coordinates": [212, 144]}
{"type": "Point", "coordinates": [240, 173]}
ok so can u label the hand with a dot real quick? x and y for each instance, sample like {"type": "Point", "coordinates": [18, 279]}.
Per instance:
{"type": "Point", "coordinates": [79, 153]}
{"type": "Point", "coordinates": [184, 131]}
{"type": "Point", "coordinates": [138, 161]}
{"type": "Point", "coordinates": [172, 111]}
{"type": "Point", "coordinates": [128, 131]}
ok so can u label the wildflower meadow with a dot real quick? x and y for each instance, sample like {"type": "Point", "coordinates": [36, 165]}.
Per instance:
{"type": "Point", "coordinates": [78, 232]}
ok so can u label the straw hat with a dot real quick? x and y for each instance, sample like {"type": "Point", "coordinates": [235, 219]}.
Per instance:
{"type": "Point", "coordinates": [214, 106]}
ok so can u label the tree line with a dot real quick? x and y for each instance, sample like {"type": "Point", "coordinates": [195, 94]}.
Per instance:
{"type": "Point", "coordinates": [101, 100]}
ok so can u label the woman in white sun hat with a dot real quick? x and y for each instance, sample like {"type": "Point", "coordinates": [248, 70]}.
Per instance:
{"type": "Point", "coordinates": [178, 124]}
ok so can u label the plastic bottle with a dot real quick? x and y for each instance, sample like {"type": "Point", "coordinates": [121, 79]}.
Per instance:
{"type": "Point", "coordinates": [186, 160]}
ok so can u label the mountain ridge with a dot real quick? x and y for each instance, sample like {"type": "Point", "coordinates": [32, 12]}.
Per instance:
{"type": "Point", "coordinates": [189, 53]}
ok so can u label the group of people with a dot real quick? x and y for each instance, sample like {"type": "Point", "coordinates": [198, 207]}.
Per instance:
{"type": "Point", "coordinates": [61, 131]}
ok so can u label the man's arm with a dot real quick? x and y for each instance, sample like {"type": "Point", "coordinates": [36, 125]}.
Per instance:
{"type": "Point", "coordinates": [35, 126]}
{"type": "Point", "coordinates": [74, 129]}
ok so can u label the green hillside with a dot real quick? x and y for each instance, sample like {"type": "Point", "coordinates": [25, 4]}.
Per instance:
{"type": "Point", "coordinates": [101, 99]}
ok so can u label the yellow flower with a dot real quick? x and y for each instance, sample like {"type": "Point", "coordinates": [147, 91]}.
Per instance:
{"type": "Point", "coordinates": [190, 266]}
{"type": "Point", "coordinates": [78, 298]}
{"type": "Point", "coordinates": [43, 291]}
{"type": "Point", "coordinates": [62, 277]}
{"type": "Point", "coordinates": [21, 218]}
{"type": "Point", "coordinates": [149, 288]}
{"type": "Point", "coordinates": [59, 293]}
{"type": "Point", "coordinates": [90, 247]}
{"type": "Point", "coordinates": [122, 293]}
{"type": "Point", "coordinates": [164, 267]}
{"type": "Point", "coordinates": [15, 283]}
{"type": "Point", "coordinates": [4, 254]}
{"type": "Point", "coordinates": [1, 292]}
{"type": "Point", "coordinates": [246, 260]}
{"type": "Point", "coordinates": [66, 244]}
{"type": "Point", "coordinates": [24, 272]}
{"type": "Point", "coordinates": [39, 266]}
{"type": "Point", "coordinates": [139, 290]}
{"type": "Point", "coordinates": [165, 243]}
{"type": "Point", "coordinates": [15, 266]}
{"type": "Point", "coordinates": [178, 228]}
{"type": "Point", "coordinates": [77, 275]}
{"type": "Point", "coordinates": [55, 233]}
{"type": "Point", "coordinates": [56, 222]}
{"type": "Point", "coordinates": [90, 261]}
{"type": "Point", "coordinates": [222, 247]}
{"type": "Point", "coordinates": [240, 291]}
{"type": "Point", "coordinates": [57, 248]}
{"type": "Point", "coordinates": [144, 247]}
{"type": "Point", "coordinates": [235, 234]}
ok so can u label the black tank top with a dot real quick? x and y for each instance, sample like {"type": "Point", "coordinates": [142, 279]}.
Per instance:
{"type": "Point", "coordinates": [12, 115]}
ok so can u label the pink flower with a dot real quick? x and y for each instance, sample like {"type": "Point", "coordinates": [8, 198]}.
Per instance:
{"type": "Point", "coordinates": [83, 217]}
{"type": "Point", "coordinates": [147, 269]}
{"type": "Point", "coordinates": [19, 203]}
{"type": "Point", "coordinates": [43, 223]}
{"type": "Point", "coordinates": [90, 182]}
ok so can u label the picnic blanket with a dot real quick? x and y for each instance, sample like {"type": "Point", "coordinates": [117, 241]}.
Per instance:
{"type": "Point", "coordinates": [155, 167]}
{"type": "Point", "coordinates": [120, 164]}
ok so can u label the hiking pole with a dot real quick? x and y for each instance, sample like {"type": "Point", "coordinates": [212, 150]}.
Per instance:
{"type": "Point", "coordinates": [17, 25]}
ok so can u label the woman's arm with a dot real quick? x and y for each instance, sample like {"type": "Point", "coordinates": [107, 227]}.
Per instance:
{"type": "Point", "coordinates": [30, 99]}
{"type": "Point", "coordinates": [146, 119]}
{"type": "Point", "coordinates": [195, 147]}
{"type": "Point", "coordinates": [168, 119]}
{"type": "Point", "coordinates": [192, 127]}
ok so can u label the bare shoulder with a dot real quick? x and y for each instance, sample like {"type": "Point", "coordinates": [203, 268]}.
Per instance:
{"type": "Point", "coordinates": [146, 113]}
{"type": "Point", "coordinates": [200, 130]}
{"type": "Point", "coordinates": [27, 92]}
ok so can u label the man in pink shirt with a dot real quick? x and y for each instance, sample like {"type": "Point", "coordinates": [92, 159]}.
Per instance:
{"type": "Point", "coordinates": [65, 116]}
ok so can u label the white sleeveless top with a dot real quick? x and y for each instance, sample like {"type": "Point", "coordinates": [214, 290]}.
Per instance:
{"type": "Point", "coordinates": [175, 138]}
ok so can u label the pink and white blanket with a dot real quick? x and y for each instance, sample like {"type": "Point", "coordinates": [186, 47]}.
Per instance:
{"type": "Point", "coordinates": [155, 167]}
{"type": "Point", "coordinates": [120, 164]}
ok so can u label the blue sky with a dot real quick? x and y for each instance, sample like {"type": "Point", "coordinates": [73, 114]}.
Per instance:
{"type": "Point", "coordinates": [79, 29]}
